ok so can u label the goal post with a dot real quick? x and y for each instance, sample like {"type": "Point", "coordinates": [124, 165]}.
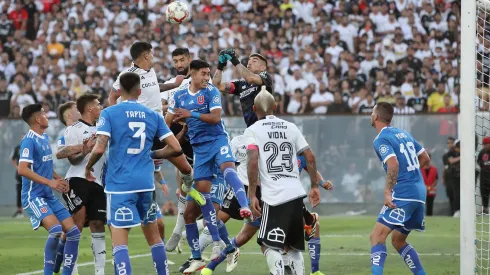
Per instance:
{"type": "Point", "coordinates": [467, 132]}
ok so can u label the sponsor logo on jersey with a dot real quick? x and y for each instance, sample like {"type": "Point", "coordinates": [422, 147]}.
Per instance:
{"type": "Point", "coordinates": [47, 158]}
{"type": "Point", "coordinates": [147, 85]}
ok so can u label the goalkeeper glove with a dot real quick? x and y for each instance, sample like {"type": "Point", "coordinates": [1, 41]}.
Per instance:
{"type": "Point", "coordinates": [222, 60]}
{"type": "Point", "coordinates": [234, 60]}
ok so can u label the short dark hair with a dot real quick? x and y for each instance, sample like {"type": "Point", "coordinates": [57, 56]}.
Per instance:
{"type": "Point", "coordinates": [181, 51]}
{"type": "Point", "coordinates": [85, 99]}
{"type": "Point", "coordinates": [199, 64]}
{"type": "Point", "coordinates": [138, 48]}
{"type": "Point", "coordinates": [129, 82]}
{"type": "Point", "coordinates": [451, 138]}
{"type": "Point", "coordinates": [63, 108]}
{"type": "Point", "coordinates": [385, 111]}
{"type": "Point", "coordinates": [30, 110]}
{"type": "Point", "coordinates": [259, 56]}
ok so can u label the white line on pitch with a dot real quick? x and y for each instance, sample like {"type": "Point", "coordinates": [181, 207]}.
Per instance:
{"type": "Point", "coordinates": [255, 253]}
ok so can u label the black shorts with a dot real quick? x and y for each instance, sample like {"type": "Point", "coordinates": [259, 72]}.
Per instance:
{"type": "Point", "coordinates": [89, 194]}
{"type": "Point", "coordinates": [231, 206]}
{"type": "Point", "coordinates": [186, 145]}
{"type": "Point", "coordinates": [282, 226]}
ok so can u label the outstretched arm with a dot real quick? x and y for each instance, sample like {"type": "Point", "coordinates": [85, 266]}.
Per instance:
{"type": "Point", "coordinates": [67, 151]}
{"type": "Point", "coordinates": [226, 87]}
{"type": "Point", "coordinates": [250, 77]}
{"type": "Point", "coordinates": [113, 96]}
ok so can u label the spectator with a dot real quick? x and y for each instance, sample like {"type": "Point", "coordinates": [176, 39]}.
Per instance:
{"type": "Point", "coordinates": [446, 176]}
{"type": "Point", "coordinates": [48, 111]}
{"type": "Point", "coordinates": [418, 102]}
{"type": "Point", "coordinates": [448, 107]}
{"type": "Point", "coordinates": [22, 98]}
{"type": "Point", "coordinates": [6, 27]}
{"type": "Point", "coordinates": [320, 101]}
{"type": "Point", "coordinates": [19, 16]}
{"type": "Point", "coordinates": [338, 106]}
{"type": "Point", "coordinates": [306, 108]}
{"type": "Point", "coordinates": [454, 176]}
{"type": "Point", "coordinates": [430, 175]}
{"type": "Point", "coordinates": [5, 98]}
{"type": "Point", "coordinates": [295, 102]}
{"type": "Point", "coordinates": [366, 106]}
{"type": "Point", "coordinates": [436, 100]}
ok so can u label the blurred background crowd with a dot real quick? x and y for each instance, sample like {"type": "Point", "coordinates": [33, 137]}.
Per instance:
{"type": "Point", "coordinates": [325, 56]}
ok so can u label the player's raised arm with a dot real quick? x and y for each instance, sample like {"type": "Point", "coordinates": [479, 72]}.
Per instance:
{"type": "Point", "coordinates": [250, 78]}
{"type": "Point", "coordinates": [169, 86]}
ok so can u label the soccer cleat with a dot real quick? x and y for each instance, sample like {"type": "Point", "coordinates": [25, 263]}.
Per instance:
{"type": "Point", "coordinates": [173, 242]}
{"type": "Point", "coordinates": [317, 273]}
{"type": "Point", "coordinates": [198, 197]}
{"type": "Point", "coordinates": [206, 271]}
{"type": "Point", "coordinates": [217, 249]}
{"type": "Point", "coordinates": [232, 260]}
{"type": "Point", "coordinates": [195, 265]}
{"type": "Point", "coordinates": [245, 212]}
{"type": "Point", "coordinates": [310, 230]}
{"type": "Point", "coordinates": [185, 265]}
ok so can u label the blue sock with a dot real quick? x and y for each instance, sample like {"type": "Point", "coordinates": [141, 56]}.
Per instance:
{"type": "Point", "coordinates": [121, 258]}
{"type": "Point", "coordinates": [378, 257]}
{"type": "Point", "coordinates": [193, 240]}
{"type": "Point", "coordinates": [233, 242]}
{"type": "Point", "coordinates": [159, 258]}
{"type": "Point", "coordinates": [59, 256]}
{"type": "Point", "coordinates": [228, 250]}
{"type": "Point", "coordinates": [314, 246]}
{"type": "Point", "coordinates": [71, 250]}
{"type": "Point", "coordinates": [411, 258]}
{"type": "Point", "coordinates": [223, 232]}
{"type": "Point", "coordinates": [114, 261]}
{"type": "Point", "coordinates": [236, 184]}
{"type": "Point", "coordinates": [50, 248]}
{"type": "Point", "coordinates": [209, 215]}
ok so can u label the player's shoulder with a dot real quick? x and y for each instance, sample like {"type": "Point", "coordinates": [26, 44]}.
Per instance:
{"type": "Point", "coordinates": [133, 69]}
{"type": "Point", "coordinates": [211, 87]}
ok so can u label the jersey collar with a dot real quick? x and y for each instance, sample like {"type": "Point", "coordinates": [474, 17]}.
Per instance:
{"type": "Point", "coordinates": [36, 134]}
{"type": "Point", "coordinates": [386, 127]}
{"type": "Point", "coordinates": [86, 123]}
{"type": "Point", "coordinates": [136, 66]}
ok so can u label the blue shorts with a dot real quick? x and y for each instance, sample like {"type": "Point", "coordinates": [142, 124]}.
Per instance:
{"type": "Point", "coordinates": [159, 213]}
{"type": "Point", "coordinates": [407, 216]}
{"type": "Point", "coordinates": [209, 154]}
{"type": "Point", "coordinates": [38, 208]}
{"type": "Point", "coordinates": [131, 209]}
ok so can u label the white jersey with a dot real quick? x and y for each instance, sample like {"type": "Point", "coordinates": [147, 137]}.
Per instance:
{"type": "Point", "coordinates": [150, 90]}
{"type": "Point", "coordinates": [279, 143]}
{"type": "Point", "coordinates": [239, 150]}
{"type": "Point", "coordinates": [169, 95]}
{"type": "Point", "coordinates": [75, 135]}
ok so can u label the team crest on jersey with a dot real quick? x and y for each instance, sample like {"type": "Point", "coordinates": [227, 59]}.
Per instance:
{"type": "Point", "coordinates": [383, 149]}
{"type": "Point", "coordinates": [200, 99]}
{"type": "Point", "coordinates": [25, 153]}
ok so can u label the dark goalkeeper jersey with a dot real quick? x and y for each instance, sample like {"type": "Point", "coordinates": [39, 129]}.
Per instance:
{"type": "Point", "coordinates": [247, 93]}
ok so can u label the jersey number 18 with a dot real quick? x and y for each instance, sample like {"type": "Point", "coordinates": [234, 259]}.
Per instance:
{"type": "Point", "coordinates": [410, 154]}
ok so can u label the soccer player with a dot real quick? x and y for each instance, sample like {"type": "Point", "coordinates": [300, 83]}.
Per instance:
{"type": "Point", "coordinates": [405, 192]}
{"type": "Point", "coordinates": [86, 201]}
{"type": "Point", "coordinates": [200, 106]}
{"type": "Point", "coordinates": [273, 145]}
{"type": "Point", "coordinates": [38, 180]}
{"type": "Point", "coordinates": [131, 127]}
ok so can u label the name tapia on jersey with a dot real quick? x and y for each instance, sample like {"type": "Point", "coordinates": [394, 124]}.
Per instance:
{"type": "Point", "coordinates": [279, 142]}
{"type": "Point", "coordinates": [394, 142]}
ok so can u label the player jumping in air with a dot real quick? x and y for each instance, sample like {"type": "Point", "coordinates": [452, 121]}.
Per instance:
{"type": "Point", "coordinates": [200, 106]}
{"type": "Point", "coordinates": [38, 200]}
{"type": "Point", "coordinates": [131, 127]}
{"type": "Point", "coordinates": [272, 150]}
{"type": "Point", "coordinates": [405, 192]}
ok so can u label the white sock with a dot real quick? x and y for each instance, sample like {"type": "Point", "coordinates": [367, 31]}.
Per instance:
{"type": "Point", "coordinates": [75, 270]}
{"type": "Point", "coordinates": [285, 259]}
{"type": "Point", "coordinates": [297, 262]}
{"type": "Point", "coordinates": [179, 225]}
{"type": "Point", "coordinates": [98, 248]}
{"type": "Point", "coordinates": [274, 261]}
{"type": "Point", "coordinates": [184, 234]}
{"type": "Point", "coordinates": [200, 224]}
{"type": "Point", "coordinates": [188, 180]}
{"type": "Point", "coordinates": [205, 239]}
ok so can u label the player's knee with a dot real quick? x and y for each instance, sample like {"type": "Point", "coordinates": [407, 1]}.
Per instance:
{"type": "Point", "coordinates": [97, 226]}
{"type": "Point", "coordinates": [55, 231]}
{"type": "Point", "coordinates": [189, 217]}
{"type": "Point", "coordinates": [73, 234]}
{"type": "Point", "coordinates": [375, 237]}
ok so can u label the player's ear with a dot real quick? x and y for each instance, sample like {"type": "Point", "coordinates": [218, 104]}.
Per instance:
{"type": "Point", "coordinates": [139, 92]}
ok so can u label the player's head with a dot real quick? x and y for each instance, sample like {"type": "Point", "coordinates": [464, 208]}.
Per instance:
{"type": "Point", "coordinates": [264, 103]}
{"type": "Point", "coordinates": [382, 114]}
{"type": "Point", "coordinates": [141, 53]}
{"type": "Point", "coordinates": [34, 115]}
{"type": "Point", "coordinates": [200, 73]}
{"type": "Point", "coordinates": [181, 58]}
{"type": "Point", "coordinates": [89, 104]}
{"type": "Point", "coordinates": [130, 86]}
{"type": "Point", "coordinates": [256, 63]}
{"type": "Point", "coordinates": [68, 113]}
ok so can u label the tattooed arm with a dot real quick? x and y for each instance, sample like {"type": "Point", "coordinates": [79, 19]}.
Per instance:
{"type": "Point", "coordinates": [311, 167]}
{"type": "Point", "coordinates": [250, 77]}
{"type": "Point", "coordinates": [252, 171]}
{"type": "Point", "coordinates": [226, 87]}
{"type": "Point", "coordinates": [391, 174]}
{"type": "Point", "coordinates": [97, 152]}
{"type": "Point", "coordinates": [67, 151]}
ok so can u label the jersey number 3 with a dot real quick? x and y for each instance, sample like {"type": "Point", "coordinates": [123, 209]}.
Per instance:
{"type": "Point", "coordinates": [140, 134]}
{"type": "Point", "coordinates": [409, 152]}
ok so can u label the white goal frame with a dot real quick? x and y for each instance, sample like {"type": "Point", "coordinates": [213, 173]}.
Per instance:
{"type": "Point", "coordinates": [467, 133]}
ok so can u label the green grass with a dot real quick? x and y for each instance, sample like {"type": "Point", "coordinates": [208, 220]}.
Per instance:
{"type": "Point", "coordinates": [345, 249]}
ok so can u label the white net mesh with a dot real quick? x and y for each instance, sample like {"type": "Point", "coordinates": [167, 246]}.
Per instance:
{"type": "Point", "coordinates": [482, 130]}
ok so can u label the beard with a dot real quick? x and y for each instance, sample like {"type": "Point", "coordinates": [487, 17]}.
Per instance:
{"type": "Point", "coordinates": [184, 71]}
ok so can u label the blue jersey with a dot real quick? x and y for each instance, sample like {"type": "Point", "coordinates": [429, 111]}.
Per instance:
{"type": "Point", "coordinates": [203, 102]}
{"type": "Point", "coordinates": [131, 128]}
{"type": "Point", "coordinates": [36, 150]}
{"type": "Point", "coordinates": [61, 141]}
{"type": "Point", "coordinates": [393, 142]}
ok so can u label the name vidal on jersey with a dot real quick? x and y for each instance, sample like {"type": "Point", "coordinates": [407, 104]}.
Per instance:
{"type": "Point", "coordinates": [277, 135]}
{"type": "Point", "coordinates": [137, 114]}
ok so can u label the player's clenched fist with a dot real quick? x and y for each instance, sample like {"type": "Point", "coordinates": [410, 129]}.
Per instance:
{"type": "Point", "coordinates": [59, 185]}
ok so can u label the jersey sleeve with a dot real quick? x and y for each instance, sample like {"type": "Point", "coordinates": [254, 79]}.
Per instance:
{"type": "Point", "coordinates": [104, 124]}
{"type": "Point", "coordinates": [116, 86]}
{"type": "Point", "coordinates": [172, 103]}
{"type": "Point", "coordinates": [418, 148]}
{"type": "Point", "coordinates": [236, 88]}
{"type": "Point", "coordinates": [383, 149]}
{"type": "Point", "coordinates": [27, 151]}
{"type": "Point", "coordinates": [215, 99]}
{"type": "Point", "coordinates": [162, 129]}
{"type": "Point", "coordinates": [299, 142]}
{"type": "Point", "coordinates": [250, 138]}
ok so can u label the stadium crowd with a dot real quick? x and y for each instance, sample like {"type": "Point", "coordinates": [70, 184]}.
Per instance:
{"type": "Point", "coordinates": [325, 56]}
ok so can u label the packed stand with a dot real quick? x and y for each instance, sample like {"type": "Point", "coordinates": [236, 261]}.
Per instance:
{"type": "Point", "coordinates": [325, 56]}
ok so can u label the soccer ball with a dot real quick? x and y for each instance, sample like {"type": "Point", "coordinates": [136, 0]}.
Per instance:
{"type": "Point", "coordinates": [177, 12]}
